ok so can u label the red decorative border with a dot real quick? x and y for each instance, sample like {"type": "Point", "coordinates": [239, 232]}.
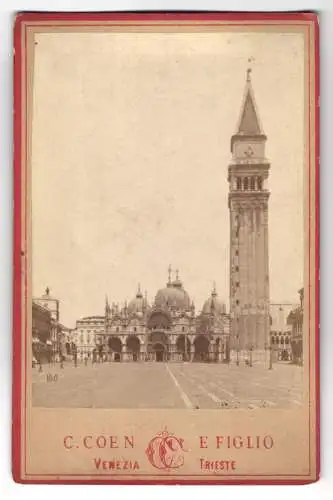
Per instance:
{"type": "Point", "coordinates": [251, 19]}
{"type": "Point", "coordinates": [17, 265]}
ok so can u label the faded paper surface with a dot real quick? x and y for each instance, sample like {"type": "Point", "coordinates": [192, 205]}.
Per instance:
{"type": "Point", "coordinates": [128, 147]}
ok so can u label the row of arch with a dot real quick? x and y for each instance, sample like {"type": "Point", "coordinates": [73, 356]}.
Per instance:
{"type": "Point", "coordinates": [202, 349]}
{"type": "Point", "coordinates": [280, 340]}
{"type": "Point", "coordinates": [253, 183]}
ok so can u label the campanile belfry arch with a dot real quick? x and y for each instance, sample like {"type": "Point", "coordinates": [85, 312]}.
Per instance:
{"type": "Point", "coordinates": [248, 207]}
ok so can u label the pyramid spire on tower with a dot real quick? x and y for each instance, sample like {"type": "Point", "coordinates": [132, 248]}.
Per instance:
{"type": "Point", "coordinates": [249, 121]}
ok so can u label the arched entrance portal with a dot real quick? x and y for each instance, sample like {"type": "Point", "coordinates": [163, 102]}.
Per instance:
{"type": "Point", "coordinates": [183, 347]}
{"type": "Point", "coordinates": [201, 348]}
{"type": "Point", "coordinates": [133, 346]}
{"type": "Point", "coordinates": [159, 320]}
{"type": "Point", "coordinates": [115, 347]}
{"type": "Point", "coordinates": [158, 346]}
{"type": "Point", "coordinates": [160, 352]}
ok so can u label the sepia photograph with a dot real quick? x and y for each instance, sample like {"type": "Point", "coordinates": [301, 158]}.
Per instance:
{"type": "Point", "coordinates": [190, 162]}
{"type": "Point", "coordinates": [169, 263]}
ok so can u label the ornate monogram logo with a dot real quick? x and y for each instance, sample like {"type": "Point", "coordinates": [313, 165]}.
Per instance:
{"type": "Point", "coordinates": [165, 451]}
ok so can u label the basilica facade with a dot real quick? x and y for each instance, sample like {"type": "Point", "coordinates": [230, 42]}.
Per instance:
{"type": "Point", "coordinates": [169, 329]}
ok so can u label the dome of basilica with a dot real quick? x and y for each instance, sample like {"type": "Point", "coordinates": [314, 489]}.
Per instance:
{"type": "Point", "coordinates": [214, 305]}
{"type": "Point", "coordinates": [137, 305]}
{"type": "Point", "coordinates": [174, 296]}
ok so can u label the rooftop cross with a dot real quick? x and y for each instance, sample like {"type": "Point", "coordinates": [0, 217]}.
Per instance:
{"type": "Point", "coordinates": [249, 69]}
{"type": "Point", "coordinates": [169, 272]}
{"type": "Point", "coordinates": [214, 288]}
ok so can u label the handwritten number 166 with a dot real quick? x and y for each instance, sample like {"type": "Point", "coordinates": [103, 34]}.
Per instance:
{"type": "Point", "coordinates": [51, 378]}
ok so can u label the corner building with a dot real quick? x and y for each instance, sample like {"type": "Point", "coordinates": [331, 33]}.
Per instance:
{"type": "Point", "coordinates": [248, 207]}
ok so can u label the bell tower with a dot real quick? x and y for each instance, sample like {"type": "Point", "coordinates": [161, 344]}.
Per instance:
{"type": "Point", "coordinates": [248, 207]}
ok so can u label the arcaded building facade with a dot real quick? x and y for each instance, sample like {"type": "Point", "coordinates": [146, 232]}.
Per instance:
{"type": "Point", "coordinates": [169, 329]}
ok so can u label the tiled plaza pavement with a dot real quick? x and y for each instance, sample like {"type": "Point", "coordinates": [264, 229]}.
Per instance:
{"type": "Point", "coordinates": [172, 385]}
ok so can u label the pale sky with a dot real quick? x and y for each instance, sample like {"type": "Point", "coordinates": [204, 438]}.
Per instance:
{"type": "Point", "coordinates": [130, 152]}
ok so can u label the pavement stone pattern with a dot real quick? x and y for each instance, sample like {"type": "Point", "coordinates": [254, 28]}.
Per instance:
{"type": "Point", "coordinates": [168, 385]}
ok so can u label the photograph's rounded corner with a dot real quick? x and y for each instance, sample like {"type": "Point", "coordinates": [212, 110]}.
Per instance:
{"type": "Point", "coordinates": [16, 475]}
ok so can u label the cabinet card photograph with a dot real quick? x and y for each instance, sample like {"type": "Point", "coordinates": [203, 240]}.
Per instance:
{"type": "Point", "coordinates": [166, 325]}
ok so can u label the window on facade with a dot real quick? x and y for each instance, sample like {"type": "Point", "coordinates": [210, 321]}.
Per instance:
{"type": "Point", "coordinates": [239, 183]}
{"type": "Point", "coordinates": [237, 302]}
{"type": "Point", "coordinates": [81, 338]}
{"type": "Point", "coordinates": [259, 183]}
{"type": "Point", "coordinates": [246, 184]}
{"type": "Point", "coordinates": [237, 284]}
{"type": "Point", "coordinates": [287, 340]}
{"type": "Point", "coordinates": [253, 183]}
{"type": "Point", "coordinates": [135, 328]}
{"type": "Point", "coordinates": [88, 339]}
{"type": "Point", "coordinates": [183, 329]}
{"type": "Point", "coordinates": [117, 329]}
{"type": "Point", "coordinates": [236, 269]}
{"type": "Point", "coordinates": [273, 340]}
{"type": "Point", "coordinates": [236, 252]}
